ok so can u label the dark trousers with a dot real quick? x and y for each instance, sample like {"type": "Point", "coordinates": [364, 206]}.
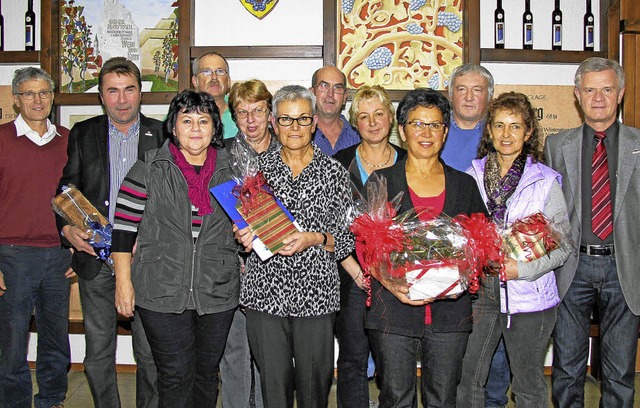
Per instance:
{"type": "Point", "coordinates": [526, 340]}
{"type": "Point", "coordinates": [187, 348]}
{"type": "Point", "coordinates": [353, 352]}
{"type": "Point", "coordinates": [238, 372]}
{"type": "Point", "coordinates": [441, 366]}
{"type": "Point", "coordinates": [292, 353]}
{"type": "Point", "coordinates": [495, 391]}
{"type": "Point", "coordinates": [97, 297]}
{"type": "Point", "coordinates": [595, 283]}
{"type": "Point", "coordinates": [34, 277]}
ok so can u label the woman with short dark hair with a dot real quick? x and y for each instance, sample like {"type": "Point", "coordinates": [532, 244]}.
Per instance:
{"type": "Point", "coordinates": [398, 326]}
{"type": "Point", "coordinates": [184, 278]}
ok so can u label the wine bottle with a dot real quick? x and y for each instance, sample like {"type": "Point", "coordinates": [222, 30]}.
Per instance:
{"type": "Point", "coordinates": [499, 25]}
{"type": "Point", "coordinates": [588, 28]}
{"type": "Point", "coordinates": [30, 28]}
{"type": "Point", "coordinates": [527, 26]}
{"type": "Point", "coordinates": [556, 23]}
{"type": "Point", "coordinates": [1, 29]}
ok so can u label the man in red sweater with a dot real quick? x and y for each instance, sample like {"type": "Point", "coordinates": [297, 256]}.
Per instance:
{"type": "Point", "coordinates": [33, 265]}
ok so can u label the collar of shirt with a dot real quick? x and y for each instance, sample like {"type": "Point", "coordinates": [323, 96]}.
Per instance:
{"type": "Point", "coordinates": [133, 130]}
{"type": "Point", "coordinates": [478, 125]}
{"type": "Point", "coordinates": [23, 129]}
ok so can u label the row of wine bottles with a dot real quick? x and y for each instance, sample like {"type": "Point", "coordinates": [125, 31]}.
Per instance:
{"type": "Point", "coordinates": [29, 28]}
{"type": "Point", "coordinates": [556, 24]}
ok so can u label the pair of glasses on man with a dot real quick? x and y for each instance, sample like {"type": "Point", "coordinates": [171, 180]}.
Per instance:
{"type": "Point", "coordinates": [29, 95]}
{"type": "Point", "coordinates": [288, 121]}
{"type": "Point", "coordinates": [218, 71]}
{"type": "Point", "coordinates": [256, 113]}
{"type": "Point", "coordinates": [420, 125]}
{"type": "Point", "coordinates": [338, 89]}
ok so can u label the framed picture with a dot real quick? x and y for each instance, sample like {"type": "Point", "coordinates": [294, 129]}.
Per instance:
{"type": "Point", "coordinates": [400, 45]}
{"type": "Point", "coordinates": [86, 33]}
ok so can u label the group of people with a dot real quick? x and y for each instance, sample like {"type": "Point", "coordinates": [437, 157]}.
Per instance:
{"type": "Point", "coordinates": [205, 308]}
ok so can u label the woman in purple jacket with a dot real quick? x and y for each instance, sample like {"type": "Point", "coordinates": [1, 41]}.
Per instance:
{"type": "Point", "coordinates": [514, 184]}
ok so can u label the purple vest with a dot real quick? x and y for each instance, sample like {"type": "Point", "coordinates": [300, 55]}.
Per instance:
{"type": "Point", "coordinates": [530, 196]}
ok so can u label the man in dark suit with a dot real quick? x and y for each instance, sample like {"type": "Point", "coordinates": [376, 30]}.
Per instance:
{"type": "Point", "coordinates": [100, 152]}
{"type": "Point", "coordinates": [600, 166]}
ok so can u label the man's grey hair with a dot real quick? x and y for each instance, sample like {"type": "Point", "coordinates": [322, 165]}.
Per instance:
{"type": "Point", "coordinates": [598, 64]}
{"type": "Point", "coordinates": [471, 69]}
{"type": "Point", "coordinates": [195, 68]}
{"type": "Point", "coordinates": [27, 74]}
{"type": "Point", "coordinates": [293, 93]}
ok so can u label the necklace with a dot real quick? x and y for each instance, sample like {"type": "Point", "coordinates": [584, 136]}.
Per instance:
{"type": "Point", "coordinates": [375, 166]}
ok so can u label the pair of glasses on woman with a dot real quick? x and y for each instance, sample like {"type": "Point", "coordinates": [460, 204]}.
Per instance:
{"type": "Point", "coordinates": [420, 125]}
{"type": "Point", "coordinates": [256, 113]}
{"type": "Point", "coordinates": [288, 121]}
{"type": "Point", "coordinates": [29, 95]}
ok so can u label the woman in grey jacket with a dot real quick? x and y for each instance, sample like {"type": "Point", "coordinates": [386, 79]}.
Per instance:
{"type": "Point", "coordinates": [184, 279]}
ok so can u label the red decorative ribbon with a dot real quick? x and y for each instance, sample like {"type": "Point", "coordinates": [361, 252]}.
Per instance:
{"type": "Point", "coordinates": [484, 246]}
{"type": "Point", "coordinates": [248, 191]}
{"type": "Point", "coordinates": [375, 240]}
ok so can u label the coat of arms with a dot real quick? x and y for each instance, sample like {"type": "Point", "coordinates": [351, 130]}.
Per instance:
{"type": "Point", "coordinates": [259, 8]}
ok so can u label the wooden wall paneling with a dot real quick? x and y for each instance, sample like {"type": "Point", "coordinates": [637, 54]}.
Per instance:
{"type": "Point", "coordinates": [471, 27]}
{"type": "Point", "coordinates": [330, 24]}
{"type": "Point", "coordinates": [610, 13]}
{"type": "Point", "coordinates": [185, 40]}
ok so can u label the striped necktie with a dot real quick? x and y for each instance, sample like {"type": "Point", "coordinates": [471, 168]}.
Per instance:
{"type": "Point", "coordinates": [601, 220]}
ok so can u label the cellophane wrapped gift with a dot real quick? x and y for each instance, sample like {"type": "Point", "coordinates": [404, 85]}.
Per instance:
{"type": "Point", "coordinates": [437, 258]}
{"type": "Point", "coordinates": [249, 201]}
{"type": "Point", "coordinates": [532, 237]}
{"type": "Point", "coordinates": [74, 207]}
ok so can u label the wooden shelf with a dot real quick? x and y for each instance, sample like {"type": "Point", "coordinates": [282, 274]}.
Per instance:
{"type": "Point", "coordinates": [257, 52]}
{"type": "Point", "coordinates": [19, 57]}
{"type": "Point", "coordinates": [537, 56]}
{"type": "Point", "coordinates": [148, 98]}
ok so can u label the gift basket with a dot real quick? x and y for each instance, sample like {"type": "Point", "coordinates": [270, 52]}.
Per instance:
{"type": "Point", "coordinates": [249, 201]}
{"type": "Point", "coordinates": [74, 207]}
{"type": "Point", "coordinates": [532, 237]}
{"type": "Point", "coordinates": [437, 258]}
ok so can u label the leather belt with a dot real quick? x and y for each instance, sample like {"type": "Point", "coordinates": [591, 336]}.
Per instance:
{"type": "Point", "coordinates": [597, 250]}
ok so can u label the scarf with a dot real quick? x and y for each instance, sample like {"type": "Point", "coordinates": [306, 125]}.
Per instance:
{"type": "Point", "coordinates": [500, 189]}
{"type": "Point", "coordinates": [198, 183]}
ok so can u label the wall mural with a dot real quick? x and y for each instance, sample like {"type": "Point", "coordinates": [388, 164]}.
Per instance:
{"type": "Point", "coordinates": [92, 31]}
{"type": "Point", "coordinates": [399, 44]}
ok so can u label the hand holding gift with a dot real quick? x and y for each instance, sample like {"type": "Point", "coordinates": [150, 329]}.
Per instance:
{"type": "Point", "coordinates": [92, 233]}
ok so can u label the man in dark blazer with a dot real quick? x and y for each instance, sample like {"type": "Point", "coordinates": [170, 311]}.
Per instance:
{"type": "Point", "coordinates": [100, 152]}
{"type": "Point", "coordinates": [604, 269]}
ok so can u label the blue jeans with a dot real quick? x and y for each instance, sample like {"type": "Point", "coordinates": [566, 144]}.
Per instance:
{"type": "Point", "coordinates": [495, 392]}
{"type": "Point", "coordinates": [441, 362]}
{"type": "Point", "coordinates": [97, 297]}
{"type": "Point", "coordinates": [238, 372]}
{"type": "Point", "coordinates": [595, 283]}
{"type": "Point", "coordinates": [526, 341]}
{"type": "Point", "coordinates": [34, 277]}
{"type": "Point", "coordinates": [354, 350]}
{"type": "Point", "coordinates": [187, 348]}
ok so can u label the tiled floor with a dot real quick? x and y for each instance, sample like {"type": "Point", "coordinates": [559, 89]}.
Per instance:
{"type": "Point", "coordinates": [79, 395]}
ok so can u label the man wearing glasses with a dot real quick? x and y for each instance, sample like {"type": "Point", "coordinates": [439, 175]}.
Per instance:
{"type": "Point", "coordinates": [211, 75]}
{"type": "Point", "coordinates": [33, 267]}
{"type": "Point", "coordinates": [333, 132]}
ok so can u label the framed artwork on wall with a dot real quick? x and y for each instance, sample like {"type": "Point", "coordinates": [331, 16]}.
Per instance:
{"type": "Point", "coordinates": [400, 45]}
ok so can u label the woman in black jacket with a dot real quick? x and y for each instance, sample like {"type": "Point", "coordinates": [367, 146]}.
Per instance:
{"type": "Point", "coordinates": [372, 114]}
{"type": "Point", "coordinates": [398, 326]}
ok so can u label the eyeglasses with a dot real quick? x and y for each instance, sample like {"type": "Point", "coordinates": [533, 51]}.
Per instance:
{"type": "Point", "coordinates": [337, 88]}
{"type": "Point", "coordinates": [433, 126]}
{"type": "Point", "coordinates": [288, 121]}
{"type": "Point", "coordinates": [29, 95]}
{"type": "Point", "coordinates": [256, 113]}
{"type": "Point", "coordinates": [218, 71]}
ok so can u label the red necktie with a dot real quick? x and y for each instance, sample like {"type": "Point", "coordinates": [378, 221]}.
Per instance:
{"type": "Point", "coordinates": [601, 220]}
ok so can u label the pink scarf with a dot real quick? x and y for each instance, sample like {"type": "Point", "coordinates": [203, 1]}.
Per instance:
{"type": "Point", "coordinates": [198, 182]}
